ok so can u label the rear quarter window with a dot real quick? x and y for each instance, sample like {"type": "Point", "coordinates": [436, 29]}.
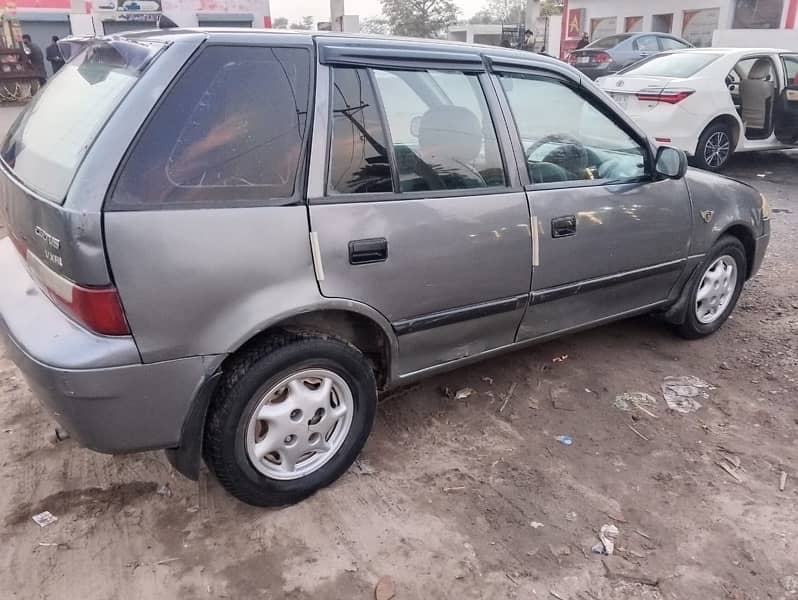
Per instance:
{"type": "Point", "coordinates": [229, 131]}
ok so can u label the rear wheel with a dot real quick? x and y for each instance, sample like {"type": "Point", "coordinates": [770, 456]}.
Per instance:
{"type": "Point", "coordinates": [715, 148]}
{"type": "Point", "coordinates": [290, 417]}
{"type": "Point", "coordinates": [714, 292]}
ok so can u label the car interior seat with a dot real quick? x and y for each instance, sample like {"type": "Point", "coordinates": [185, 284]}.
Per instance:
{"type": "Point", "coordinates": [449, 141]}
{"type": "Point", "coordinates": [756, 95]}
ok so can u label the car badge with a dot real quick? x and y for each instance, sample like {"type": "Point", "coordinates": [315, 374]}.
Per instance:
{"type": "Point", "coordinates": [620, 83]}
{"type": "Point", "coordinates": [707, 215]}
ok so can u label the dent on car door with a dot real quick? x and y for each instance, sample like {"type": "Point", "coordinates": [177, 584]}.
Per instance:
{"type": "Point", "coordinates": [418, 217]}
{"type": "Point", "coordinates": [610, 238]}
{"type": "Point", "coordinates": [787, 104]}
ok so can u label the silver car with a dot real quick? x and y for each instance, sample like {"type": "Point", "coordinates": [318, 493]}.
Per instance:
{"type": "Point", "coordinates": [226, 243]}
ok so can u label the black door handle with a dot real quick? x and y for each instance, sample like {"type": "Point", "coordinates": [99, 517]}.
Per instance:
{"type": "Point", "coordinates": [563, 226]}
{"type": "Point", "coordinates": [364, 252]}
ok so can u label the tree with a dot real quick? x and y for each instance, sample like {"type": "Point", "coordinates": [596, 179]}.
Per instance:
{"type": "Point", "coordinates": [419, 18]}
{"type": "Point", "coordinates": [483, 17]}
{"type": "Point", "coordinates": [280, 23]}
{"type": "Point", "coordinates": [376, 25]}
{"type": "Point", "coordinates": [550, 8]}
{"type": "Point", "coordinates": [305, 23]}
{"type": "Point", "coordinates": [506, 11]}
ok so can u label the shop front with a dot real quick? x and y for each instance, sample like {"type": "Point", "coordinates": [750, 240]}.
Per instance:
{"type": "Point", "coordinates": [747, 23]}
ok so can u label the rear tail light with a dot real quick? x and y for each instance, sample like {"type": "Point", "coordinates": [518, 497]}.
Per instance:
{"type": "Point", "coordinates": [664, 95]}
{"type": "Point", "coordinates": [99, 309]}
{"type": "Point", "coordinates": [601, 58]}
{"type": "Point", "coordinates": [572, 59]}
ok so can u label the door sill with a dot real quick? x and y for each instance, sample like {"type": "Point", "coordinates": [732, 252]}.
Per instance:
{"type": "Point", "coordinates": [406, 378]}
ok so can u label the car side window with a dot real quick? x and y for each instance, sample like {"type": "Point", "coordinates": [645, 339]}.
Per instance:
{"type": "Point", "coordinates": [671, 44]}
{"type": "Point", "coordinates": [230, 130]}
{"type": "Point", "coordinates": [442, 133]}
{"type": "Point", "coordinates": [359, 161]}
{"type": "Point", "coordinates": [647, 43]}
{"type": "Point", "coordinates": [567, 139]}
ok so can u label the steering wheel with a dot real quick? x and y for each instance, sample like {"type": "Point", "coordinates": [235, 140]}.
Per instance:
{"type": "Point", "coordinates": [569, 154]}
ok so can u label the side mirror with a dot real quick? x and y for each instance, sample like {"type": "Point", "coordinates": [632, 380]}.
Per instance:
{"type": "Point", "coordinates": [671, 163]}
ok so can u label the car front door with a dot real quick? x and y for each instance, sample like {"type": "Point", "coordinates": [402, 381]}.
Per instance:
{"type": "Point", "coordinates": [416, 214]}
{"type": "Point", "coordinates": [787, 103]}
{"type": "Point", "coordinates": [609, 238]}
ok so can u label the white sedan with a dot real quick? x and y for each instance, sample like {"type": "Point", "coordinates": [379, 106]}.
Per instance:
{"type": "Point", "coordinates": [712, 102]}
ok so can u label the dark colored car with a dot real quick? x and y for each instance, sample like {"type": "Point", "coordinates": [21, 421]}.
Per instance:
{"type": "Point", "coordinates": [612, 53]}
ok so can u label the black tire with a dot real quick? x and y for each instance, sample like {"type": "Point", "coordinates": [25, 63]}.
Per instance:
{"type": "Point", "coordinates": [711, 135]}
{"type": "Point", "coordinates": [692, 328]}
{"type": "Point", "coordinates": [238, 394]}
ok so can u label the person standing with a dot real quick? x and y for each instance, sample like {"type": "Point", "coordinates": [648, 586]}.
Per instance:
{"type": "Point", "coordinates": [36, 57]}
{"type": "Point", "coordinates": [528, 43]}
{"type": "Point", "coordinates": [583, 41]}
{"type": "Point", "coordinates": [54, 56]}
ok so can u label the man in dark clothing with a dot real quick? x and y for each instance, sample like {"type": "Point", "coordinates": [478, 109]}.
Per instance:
{"type": "Point", "coordinates": [36, 58]}
{"type": "Point", "coordinates": [54, 56]}
{"type": "Point", "coordinates": [584, 41]}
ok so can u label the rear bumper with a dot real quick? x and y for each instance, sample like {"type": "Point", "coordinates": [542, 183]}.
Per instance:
{"type": "Point", "coordinates": [95, 386]}
{"type": "Point", "coordinates": [666, 122]}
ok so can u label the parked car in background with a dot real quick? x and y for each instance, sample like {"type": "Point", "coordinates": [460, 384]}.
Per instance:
{"type": "Point", "coordinates": [713, 102]}
{"type": "Point", "coordinates": [194, 263]}
{"type": "Point", "coordinates": [612, 53]}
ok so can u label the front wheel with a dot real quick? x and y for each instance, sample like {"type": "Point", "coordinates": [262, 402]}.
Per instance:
{"type": "Point", "coordinates": [714, 292]}
{"type": "Point", "coordinates": [714, 148]}
{"type": "Point", "coordinates": [290, 417]}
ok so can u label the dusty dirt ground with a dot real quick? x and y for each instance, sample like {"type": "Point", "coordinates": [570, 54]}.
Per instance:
{"type": "Point", "coordinates": [467, 498]}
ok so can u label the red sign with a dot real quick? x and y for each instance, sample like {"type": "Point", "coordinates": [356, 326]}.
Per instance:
{"type": "Point", "coordinates": [576, 19]}
{"type": "Point", "coordinates": [24, 4]}
{"type": "Point", "coordinates": [792, 14]}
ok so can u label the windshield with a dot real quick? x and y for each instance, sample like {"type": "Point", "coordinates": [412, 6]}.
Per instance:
{"type": "Point", "coordinates": [608, 42]}
{"type": "Point", "coordinates": [678, 64]}
{"type": "Point", "coordinates": [48, 141]}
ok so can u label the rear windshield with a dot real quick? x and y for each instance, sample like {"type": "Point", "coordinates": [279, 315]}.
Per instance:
{"type": "Point", "coordinates": [48, 141]}
{"type": "Point", "coordinates": [608, 42]}
{"type": "Point", "coordinates": [678, 64]}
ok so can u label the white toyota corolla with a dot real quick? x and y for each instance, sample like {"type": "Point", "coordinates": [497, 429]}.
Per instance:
{"type": "Point", "coordinates": [712, 102]}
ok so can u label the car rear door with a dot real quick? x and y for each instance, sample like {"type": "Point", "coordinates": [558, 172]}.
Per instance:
{"type": "Point", "coordinates": [609, 239]}
{"type": "Point", "coordinates": [413, 210]}
{"type": "Point", "coordinates": [787, 103]}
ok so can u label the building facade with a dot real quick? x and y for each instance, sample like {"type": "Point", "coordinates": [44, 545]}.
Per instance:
{"type": "Point", "coordinates": [42, 19]}
{"type": "Point", "coordinates": [737, 23]}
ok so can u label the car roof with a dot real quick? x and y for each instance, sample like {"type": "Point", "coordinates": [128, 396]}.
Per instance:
{"type": "Point", "coordinates": [731, 51]}
{"type": "Point", "coordinates": [434, 46]}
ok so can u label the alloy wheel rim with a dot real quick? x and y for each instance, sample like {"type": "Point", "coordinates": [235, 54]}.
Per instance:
{"type": "Point", "coordinates": [717, 148]}
{"type": "Point", "coordinates": [299, 424]}
{"type": "Point", "coordinates": [716, 289]}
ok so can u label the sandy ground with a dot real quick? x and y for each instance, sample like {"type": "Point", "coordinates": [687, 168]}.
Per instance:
{"type": "Point", "coordinates": [472, 498]}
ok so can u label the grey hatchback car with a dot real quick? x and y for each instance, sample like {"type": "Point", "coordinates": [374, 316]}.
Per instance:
{"type": "Point", "coordinates": [226, 243]}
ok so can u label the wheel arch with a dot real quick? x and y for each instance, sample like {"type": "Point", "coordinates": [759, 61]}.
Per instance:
{"type": "Point", "coordinates": [368, 331]}
{"type": "Point", "coordinates": [351, 322]}
{"type": "Point", "coordinates": [734, 124]}
{"type": "Point", "coordinates": [745, 234]}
